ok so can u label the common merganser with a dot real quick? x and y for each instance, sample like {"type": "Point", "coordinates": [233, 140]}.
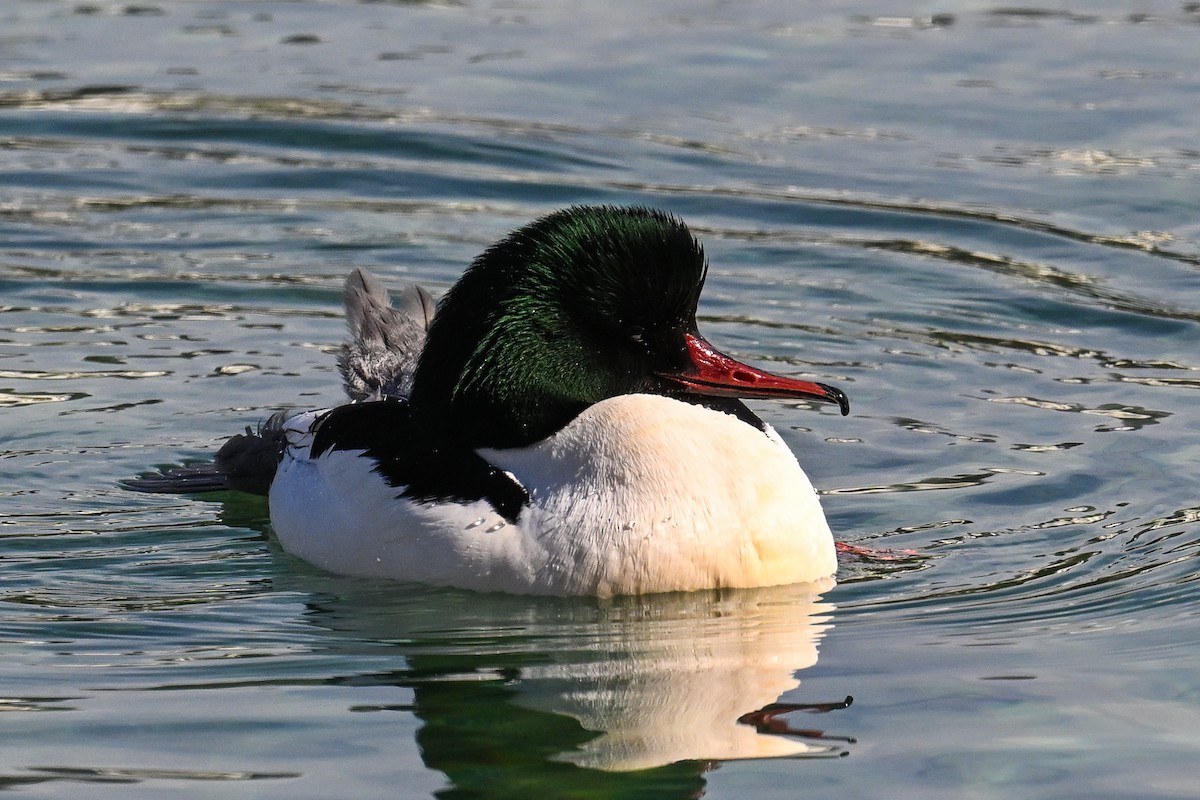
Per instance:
{"type": "Point", "coordinates": [558, 426]}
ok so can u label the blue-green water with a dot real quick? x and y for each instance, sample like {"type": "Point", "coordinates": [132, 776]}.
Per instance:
{"type": "Point", "coordinates": [982, 221]}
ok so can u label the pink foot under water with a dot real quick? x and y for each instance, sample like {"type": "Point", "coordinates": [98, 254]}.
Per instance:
{"type": "Point", "coordinates": [875, 553]}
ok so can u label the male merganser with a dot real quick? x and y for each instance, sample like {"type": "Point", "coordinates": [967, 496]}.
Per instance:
{"type": "Point", "coordinates": [558, 426]}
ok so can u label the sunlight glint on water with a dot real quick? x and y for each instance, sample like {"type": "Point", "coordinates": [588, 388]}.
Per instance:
{"type": "Point", "coordinates": [981, 223]}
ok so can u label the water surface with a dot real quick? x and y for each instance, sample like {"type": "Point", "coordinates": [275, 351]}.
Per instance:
{"type": "Point", "coordinates": [980, 221]}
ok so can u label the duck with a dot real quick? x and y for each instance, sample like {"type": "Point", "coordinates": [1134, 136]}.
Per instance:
{"type": "Point", "coordinates": [554, 425]}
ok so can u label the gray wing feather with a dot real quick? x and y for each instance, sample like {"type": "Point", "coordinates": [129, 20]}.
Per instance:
{"type": "Point", "coordinates": [378, 361]}
{"type": "Point", "coordinates": [381, 357]}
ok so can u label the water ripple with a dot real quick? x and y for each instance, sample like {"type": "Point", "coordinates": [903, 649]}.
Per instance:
{"type": "Point", "coordinates": [995, 256]}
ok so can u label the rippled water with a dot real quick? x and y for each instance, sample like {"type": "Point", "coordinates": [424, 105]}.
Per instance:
{"type": "Point", "coordinates": [983, 222]}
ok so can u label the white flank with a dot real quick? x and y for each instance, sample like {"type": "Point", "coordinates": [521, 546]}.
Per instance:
{"type": "Point", "coordinates": [639, 494]}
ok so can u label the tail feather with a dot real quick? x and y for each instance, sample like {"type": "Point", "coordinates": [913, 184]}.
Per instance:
{"type": "Point", "coordinates": [245, 463]}
{"type": "Point", "coordinates": [187, 479]}
{"type": "Point", "coordinates": [378, 362]}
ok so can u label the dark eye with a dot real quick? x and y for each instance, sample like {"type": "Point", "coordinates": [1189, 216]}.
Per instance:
{"type": "Point", "coordinates": [637, 334]}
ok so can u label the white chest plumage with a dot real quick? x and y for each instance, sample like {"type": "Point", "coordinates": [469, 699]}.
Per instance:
{"type": "Point", "coordinates": [639, 494]}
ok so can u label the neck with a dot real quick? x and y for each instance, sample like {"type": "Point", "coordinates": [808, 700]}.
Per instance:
{"type": "Point", "coordinates": [475, 388]}
{"type": "Point", "coordinates": [477, 420]}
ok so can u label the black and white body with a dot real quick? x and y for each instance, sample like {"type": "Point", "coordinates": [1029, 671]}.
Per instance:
{"type": "Point", "coordinates": [557, 426]}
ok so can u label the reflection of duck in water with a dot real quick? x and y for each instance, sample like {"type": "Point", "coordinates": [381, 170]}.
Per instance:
{"type": "Point", "coordinates": [562, 429]}
{"type": "Point", "coordinates": [633, 698]}
{"type": "Point", "coordinates": [696, 680]}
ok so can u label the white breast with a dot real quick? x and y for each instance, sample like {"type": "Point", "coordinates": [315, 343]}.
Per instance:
{"type": "Point", "coordinates": [638, 494]}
